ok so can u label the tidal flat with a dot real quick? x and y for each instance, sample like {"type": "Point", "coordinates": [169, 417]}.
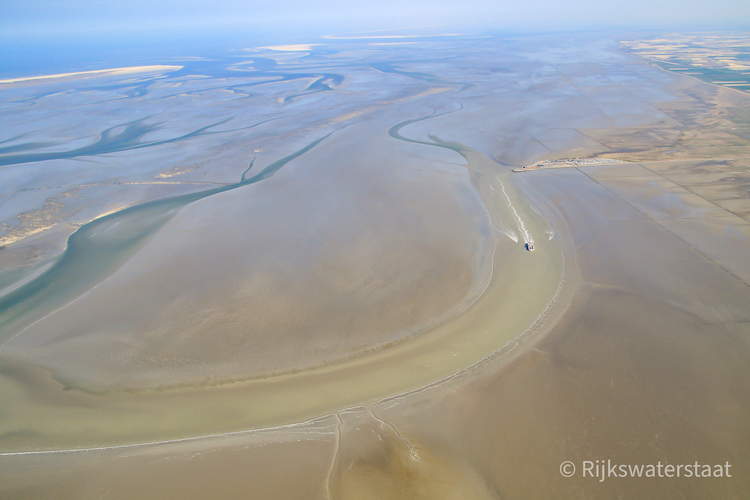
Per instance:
{"type": "Point", "coordinates": [304, 274]}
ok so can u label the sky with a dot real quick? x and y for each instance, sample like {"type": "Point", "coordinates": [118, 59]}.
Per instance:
{"type": "Point", "coordinates": [68, 17]}
{"type": "Point", "coordinates": [44, 36]}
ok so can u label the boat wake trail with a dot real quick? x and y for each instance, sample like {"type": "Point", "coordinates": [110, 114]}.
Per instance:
{"type": "Point", "coordinates": [521, 226]}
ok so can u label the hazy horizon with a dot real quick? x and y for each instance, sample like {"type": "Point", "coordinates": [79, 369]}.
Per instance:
{"type": "Point", "coordinates": [92, 16]}
{"type": "Point", "coordinates": [40, 36]}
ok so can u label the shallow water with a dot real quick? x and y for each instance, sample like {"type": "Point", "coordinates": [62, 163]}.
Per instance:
{"type": "Point", "coordinates": [509, 304]}
{"type": "Point", "coordinates": [98, 248]}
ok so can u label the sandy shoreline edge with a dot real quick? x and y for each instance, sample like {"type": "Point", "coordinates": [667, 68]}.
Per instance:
{"type": "Point", "coordinates": [93, 73]}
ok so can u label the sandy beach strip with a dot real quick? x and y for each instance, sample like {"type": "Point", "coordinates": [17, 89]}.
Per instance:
{"type": "Point", "coordinates": [93, 73]}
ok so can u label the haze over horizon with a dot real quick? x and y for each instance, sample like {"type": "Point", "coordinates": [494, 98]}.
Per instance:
{"type": "Point", "coordinates": [40, 37]}
{"type": "Point", "coordinates": [58, 17]}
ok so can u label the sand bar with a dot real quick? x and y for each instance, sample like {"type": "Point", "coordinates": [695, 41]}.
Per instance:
{"type": "Point", "coordinates": [94, 73]}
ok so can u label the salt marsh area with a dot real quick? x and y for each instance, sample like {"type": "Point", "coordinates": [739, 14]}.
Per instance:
{"type": "Point", "coordinates": [301, 272]}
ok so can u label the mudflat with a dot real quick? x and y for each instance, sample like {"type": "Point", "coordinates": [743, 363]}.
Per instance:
{"type": "Point", "coordinates": [366, 321]}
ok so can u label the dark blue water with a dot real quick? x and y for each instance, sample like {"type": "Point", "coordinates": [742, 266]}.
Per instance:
{"type": "Point", "coordinates": [43, 54]}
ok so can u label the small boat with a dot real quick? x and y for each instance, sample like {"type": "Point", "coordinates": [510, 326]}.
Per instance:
{"type": "Point", "coordinates": [530, 246]}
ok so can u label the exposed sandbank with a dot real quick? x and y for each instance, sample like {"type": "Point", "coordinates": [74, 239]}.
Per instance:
{"type": "Point", "coordinates": [93, 73]}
